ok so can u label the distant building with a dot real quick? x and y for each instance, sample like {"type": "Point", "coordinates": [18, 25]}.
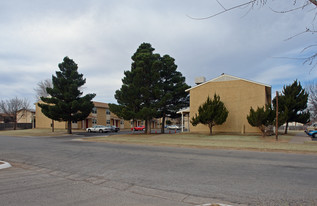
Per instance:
{"type": "Point", "coordinates": [100, 115]}
{"type": "Point", "coordinates": [238, 95]}
{"type": "Point", "coordinates": [5, 118]}
{"type": "Point", "coordinates": [25, 116]}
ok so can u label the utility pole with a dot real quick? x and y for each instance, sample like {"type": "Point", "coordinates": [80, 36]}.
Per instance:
{"type": "Point", "coordinates": [276, 124]}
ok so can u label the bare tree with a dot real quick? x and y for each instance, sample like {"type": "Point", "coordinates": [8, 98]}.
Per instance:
{"type": "Point", "coordinates": [42, 92]}
{"type": "Point", "coordinates": [312, 100]}
{"type": "Point", "coordinates": [43, 85]}
{"type": "Point", "coordinates": [252, 3]}
{"type": "Point", "coordinates": [11, 107]}
{"type": "Point", "coordinates": [293, 5]}
{"type": "Point", "coordinates": [41, 88]}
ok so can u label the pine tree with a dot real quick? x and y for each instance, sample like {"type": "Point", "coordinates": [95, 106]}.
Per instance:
{"type": "Point", "coordinates": [151, 89]}
{"type": "Point", "coordinates": [292, 104]}
{"type": "Point", "coordinates": [172, 85]}
{"type": "Point", "coordinates": [261, 118]}
{"type": "Point", "coordinates": [211, 113]}
{"type": "Point", "coordinates": [140, 89]}
{"type": "Point", "coordinates": [65, 102]}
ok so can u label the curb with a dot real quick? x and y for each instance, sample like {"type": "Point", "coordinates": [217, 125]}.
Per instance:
{"type": "Point", "coordinates": [211, 204]}
{"type": "Point", "coordinates": [4, 165]}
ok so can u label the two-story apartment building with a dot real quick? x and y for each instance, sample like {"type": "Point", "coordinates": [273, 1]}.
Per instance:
{"type": "Point", "coordinates": [238, 95]}
{"type": "Point", "coordinates": [100, 115]}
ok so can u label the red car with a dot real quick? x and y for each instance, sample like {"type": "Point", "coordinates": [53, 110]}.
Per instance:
{"type": "Point", "coordinates": [138, 128]}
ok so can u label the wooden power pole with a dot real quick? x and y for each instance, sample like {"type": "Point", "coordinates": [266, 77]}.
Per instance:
{"type": "Point", "coordinates": [276, 124]}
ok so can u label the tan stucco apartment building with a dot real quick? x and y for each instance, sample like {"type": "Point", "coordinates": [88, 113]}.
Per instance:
{"type": "Point", "coordinates": [25, 116]}
{"type": "Point", "coordinates": [238, 95]}
{"type": "Point", "coordinates": [100, 115]}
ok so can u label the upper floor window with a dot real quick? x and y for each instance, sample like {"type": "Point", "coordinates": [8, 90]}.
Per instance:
{"type": "Point", "coordinates": [94, 110]}
{"type": "Point", "coordinates": [107, 111]}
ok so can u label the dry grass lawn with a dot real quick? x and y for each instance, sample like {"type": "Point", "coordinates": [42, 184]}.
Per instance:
{"type": "Point", "coordinates": [220, 141]}
{"type": "Point", "coordinates": [34, 132]}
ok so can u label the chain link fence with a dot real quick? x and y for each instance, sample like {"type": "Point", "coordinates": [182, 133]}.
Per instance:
{"type": "Point", "coordinates": [9, 126]}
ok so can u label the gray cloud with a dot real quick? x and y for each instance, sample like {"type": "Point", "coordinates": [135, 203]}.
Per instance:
{"type": "Point", "coordinates": [101, 36]}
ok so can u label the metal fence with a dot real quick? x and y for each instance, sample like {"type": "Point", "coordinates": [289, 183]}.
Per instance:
{"type": "Point", "coordinates": [292, 128]}
{"type": "Point", "coordinates": [8, 126]}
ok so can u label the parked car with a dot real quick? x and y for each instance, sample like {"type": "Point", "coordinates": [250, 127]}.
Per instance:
{"type": "Point", "coordinates": [138, 128]}
{"type": "Point", "coordinates": [173, 127]}
{"type": "Point", "coordinates": [312, 133]}
{"type": "Point", "coordinates": [312, 127]}
{"type": "Point", "coordinates": [98, 128]}
{"type": "Point", "coordinates": [115, 129]}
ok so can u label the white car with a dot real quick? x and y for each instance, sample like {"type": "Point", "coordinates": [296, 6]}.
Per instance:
{"type": "Point", "coordinates": [173, 127]}
{"type": "Point", "coordinates": [98, 128]}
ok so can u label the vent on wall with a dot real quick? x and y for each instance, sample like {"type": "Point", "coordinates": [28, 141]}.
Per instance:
{"type": "Point", "coordinates": [200, 80]}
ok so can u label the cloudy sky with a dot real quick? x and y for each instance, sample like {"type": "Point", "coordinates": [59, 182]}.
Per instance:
{"type": "Point", "coordinates": [102, 35]}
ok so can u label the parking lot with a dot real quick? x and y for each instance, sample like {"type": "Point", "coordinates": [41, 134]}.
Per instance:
{"type": "Point", "coordinates": [126, 131]}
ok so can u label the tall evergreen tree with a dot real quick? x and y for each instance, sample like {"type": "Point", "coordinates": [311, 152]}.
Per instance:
{"type": "Point", "coordinates": [140, 90]}
{"type": "Point", "coordinates": [261, 118]}
{"type": "Point", "coordinates": [292, 104]}
{"type": "Point", "coordinates": [172, 86]}
{"type": "Point", "coordinates": [152, 88]}
{"type": "Point", "coordinates": [65, 102]}
{"type": "Point", "coordinates": [211, 113]}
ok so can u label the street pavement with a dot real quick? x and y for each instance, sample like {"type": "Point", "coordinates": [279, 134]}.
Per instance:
{"type": "Point", "coordinates": [30, 185]}
{"type": "Point", "coordinates": [60, 171]}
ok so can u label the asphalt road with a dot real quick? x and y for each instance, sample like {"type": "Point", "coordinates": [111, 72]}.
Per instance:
{"type": "Point", "coordinates": [85, 173]}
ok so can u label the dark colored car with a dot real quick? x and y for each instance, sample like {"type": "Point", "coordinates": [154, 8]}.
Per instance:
{"type": "Point", "coordinates": [138, 128]}
{"type": "Point", "coordinates": [115, 129]}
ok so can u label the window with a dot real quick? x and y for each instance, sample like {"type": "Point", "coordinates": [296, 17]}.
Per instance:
{"type": "Point", "coordinates": [94, 110]}
{"type": "Point", "coordinates": [74, 122]}
{"type": "Point", "coordinates": [108, 122]}
{"type": "Point", "coordinates": [108, 111]}
{"type": "Point", "coordinates": [94, 121]}
{"type": "Point", "coordinates": [122, 122]}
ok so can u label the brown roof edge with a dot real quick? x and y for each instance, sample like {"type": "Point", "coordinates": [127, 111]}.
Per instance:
{"type": "Point", "coordinates": [101, 104]}
{"type": "Point", "coordinates": [232, 78]}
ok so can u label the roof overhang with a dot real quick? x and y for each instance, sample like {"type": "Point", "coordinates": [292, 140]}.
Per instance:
{"type": "Point", "coordinates": [185, 110]}
{"type": "Point", "coordinates": [226, 77]}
